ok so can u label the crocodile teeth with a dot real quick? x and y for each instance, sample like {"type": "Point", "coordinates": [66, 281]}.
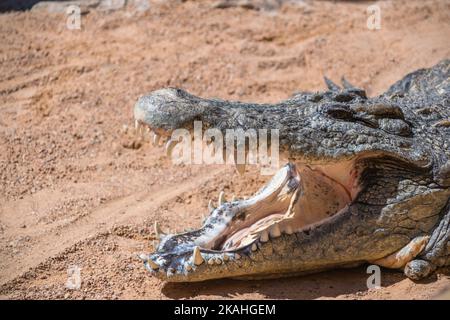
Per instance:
{"type": "Point", "coordinates": [138, 128]}
{"type": "Point", "coordinates": [221, 198]}
{"type": "Point", "coordinates": [288, 230]}
{"type": "Point", "coordinates": [211, 261]}
{"type": "Point", "coordinates": [156, 138]}
{"type": "Point", "coordinates": [226, 257]}
{"type": "Point", "coordinates": [264, 237]}
{"type": "Point", "coordinates": [159, 233]}
{"type": "Point", "coordinates": [233, 198]}
{"type": "Point", "coordinates": [275, 231]}
{"type": "Point", "coordinates": [169, 146]}
{"type": "Point", "coordinates": [240, 168]}
{"type": "Point", "coordinates": [153, 264]}
{"type": "Point", "coordinates": [148, 131]}
{"type": "Point", "coordinates": [237, 256]}
{"type": "Point", "coordinates": [188, 267]}
{"type": "Point", "coordinates": [210, 206]}
{"type": "Point", "coordinates": [254, 247]}
{"type": "Point", "coordinates": [218, 261]}
{"type": "Point", "coordinates": [197, 257]}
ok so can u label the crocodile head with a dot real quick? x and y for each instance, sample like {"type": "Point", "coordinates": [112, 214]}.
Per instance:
{"type": "Point", "coordinates": [364, 177]}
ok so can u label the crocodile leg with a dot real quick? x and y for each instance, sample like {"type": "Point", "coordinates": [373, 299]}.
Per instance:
{"type": "Point", "coordinates": [437, 252]}
{"type": "Point", "coordinates": [401, 257]}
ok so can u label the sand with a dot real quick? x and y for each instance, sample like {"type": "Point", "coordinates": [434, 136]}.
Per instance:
{"type": "Point", "coordinates": [79, 190]}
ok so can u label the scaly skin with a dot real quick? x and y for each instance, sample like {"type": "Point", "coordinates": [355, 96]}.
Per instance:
{"type": "Point", "coordinates": [399, 143]}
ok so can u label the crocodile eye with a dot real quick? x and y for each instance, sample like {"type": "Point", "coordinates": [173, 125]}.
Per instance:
{"type": "Point", "coordinates": [385, 111]}
{"type": "Point", "coordinates": [395, 126]}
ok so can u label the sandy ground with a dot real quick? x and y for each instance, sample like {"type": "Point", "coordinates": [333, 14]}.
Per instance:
{"type": "Point", "coordinates": [77, 188]}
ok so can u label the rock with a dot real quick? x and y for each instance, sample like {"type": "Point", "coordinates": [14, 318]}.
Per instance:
{"type": "Point", "coordinates": [131, 144]}
{"type": "Point", "coordinates": [111, 5]}
{"type": "Point", "coordinates": [249, 4]}
{"type": "Point", "coordinates": [61, 7]}
{"type": "Point", "coordinates": [85, 5]}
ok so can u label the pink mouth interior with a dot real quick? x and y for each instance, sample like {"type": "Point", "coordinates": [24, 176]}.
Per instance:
{"type": "Point", "coordinates": [319, 193]}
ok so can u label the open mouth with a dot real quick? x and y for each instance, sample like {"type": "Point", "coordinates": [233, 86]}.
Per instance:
{"type": "Point", "coordinates": [299, 196]}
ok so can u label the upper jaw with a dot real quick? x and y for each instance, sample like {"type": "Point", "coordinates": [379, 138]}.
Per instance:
{"type": "Point", "coordinates": [309, 130]}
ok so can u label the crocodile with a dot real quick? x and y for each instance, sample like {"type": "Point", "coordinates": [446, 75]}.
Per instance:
{"type": "Point", "coordinates": [367, 181]}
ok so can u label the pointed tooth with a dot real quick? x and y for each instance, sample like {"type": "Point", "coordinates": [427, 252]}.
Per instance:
{"type": "Point", "coordinates": [153, 264]}
{"type": "Point", "coordinates": [188, 267]}
{"type": "Point", "coordinates": [210, 206]}
{"type": "Point", "coordinates": [147, 132]}
{"type": "Point", "coordinates": [226, 257]}
{"type": "Point", "coordinates": [254, 247]}
{"type": "Point", "coordinates": [218, 260]}
{"type": "Point", "coordinates": [240, 168]}
{"type": "Point", "coordinates": [233, 198]}
{"type": "Point", "coordinates": [159, 233]}
{"type": "Point", "coordinates": [163, 140]}
{"type": "Point", "coordinates": [237, 256]}
{"type": "Point", "coordinates": [156, 139]}
{"type": "Point", "coordinates": [275, 231]}
{"type": "Point", "coordinates": [264, 237]}
{"type": "Point", "coordinates": [197, 256]}
{"type": "Point", "coordinates": [221, 198]}
{"type": "Point", "coordinates": [152, 138]}
{"type": "Point", "coordinates": [288, 229]}
{"type": "Point", "coordinates": [169, 146]}
{"type": "Point", "coordinates": [136, 125]}
{"type": "Point", "coordinates": [211, 261]}
{"type": "Point", "coordinates": [143, 257]}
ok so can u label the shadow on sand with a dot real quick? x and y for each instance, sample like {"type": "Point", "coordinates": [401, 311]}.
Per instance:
{"type": "Point", "coordinates": [329, 284]}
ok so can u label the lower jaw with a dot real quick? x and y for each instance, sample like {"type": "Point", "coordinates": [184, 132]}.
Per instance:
{"type": "Point", "coordinates": [277, 247]}
{"type": "Point", "coordinates": [282, 257]}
